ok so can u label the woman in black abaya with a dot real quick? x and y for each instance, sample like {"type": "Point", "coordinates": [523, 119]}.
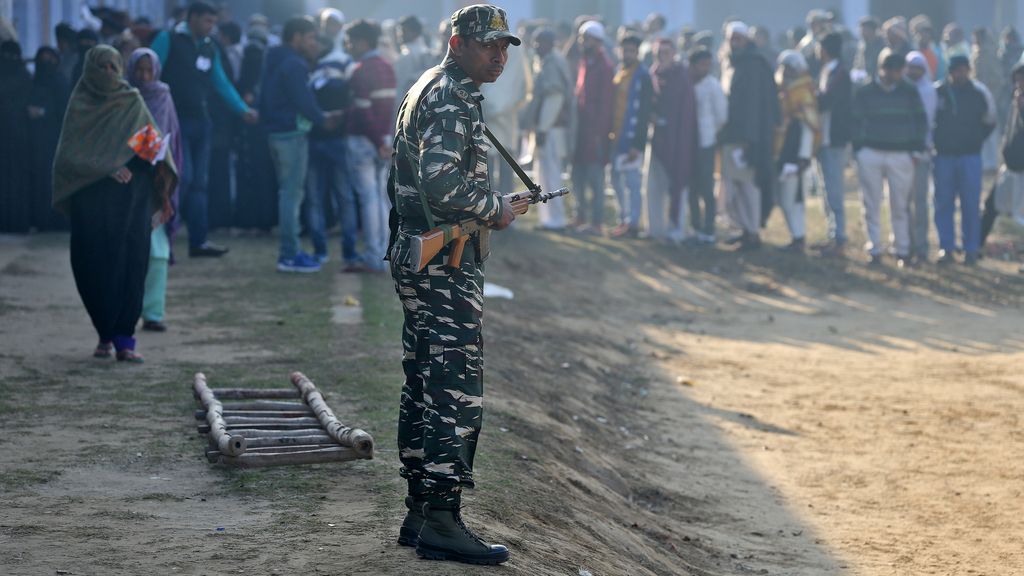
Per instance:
{"type": "Point", "coordinates": [15, 183]}
{"type": "Point", "coordinates": [49, 98]}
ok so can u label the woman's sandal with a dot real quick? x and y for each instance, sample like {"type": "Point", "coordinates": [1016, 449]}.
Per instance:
{"type": "Point", "coordinates": [128, 355]}
{"type": "Point", "coordinates": [103, 350]}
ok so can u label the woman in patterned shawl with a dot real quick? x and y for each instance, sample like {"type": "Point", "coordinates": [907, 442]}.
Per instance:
{"type": "Point", "coordinates": [112, 196]}
{"type": "Point", "coordinates": [796, 140]}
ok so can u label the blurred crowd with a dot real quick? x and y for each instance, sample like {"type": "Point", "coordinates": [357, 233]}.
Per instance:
{"type": "Point", "coordinates": [686, 136]}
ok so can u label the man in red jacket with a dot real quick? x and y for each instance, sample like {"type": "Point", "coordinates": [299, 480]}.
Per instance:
{"type": "Point", "coordinates": [594, 94]}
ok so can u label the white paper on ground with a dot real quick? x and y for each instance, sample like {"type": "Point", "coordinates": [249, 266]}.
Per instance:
{"type": "Point", "coordinates": [495, 291]}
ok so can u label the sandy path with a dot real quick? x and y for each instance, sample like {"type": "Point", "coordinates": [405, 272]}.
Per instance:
{"type": "Point", "coordinates": [890, 427]}
{"type": "Point", "coordinates": [650, 412]}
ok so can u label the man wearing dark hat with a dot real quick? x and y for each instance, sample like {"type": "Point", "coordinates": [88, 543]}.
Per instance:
{"type": "Point", "coordinates": [439, 175]}
{"type": "Point", "coordinates": [964, 117]}
{"type": "Point", "coordinates": [889, 125]}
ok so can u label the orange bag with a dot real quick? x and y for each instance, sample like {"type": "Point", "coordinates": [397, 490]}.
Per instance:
{"type": "Point", "coordinates": [148, 144]}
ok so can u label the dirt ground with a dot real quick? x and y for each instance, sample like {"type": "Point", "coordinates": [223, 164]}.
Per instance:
{"type": "Point", "coordinates": [650, 410]}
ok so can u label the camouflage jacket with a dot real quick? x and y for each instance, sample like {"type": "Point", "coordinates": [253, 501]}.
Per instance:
{"type": "Point", "coordinates": [440, 150]}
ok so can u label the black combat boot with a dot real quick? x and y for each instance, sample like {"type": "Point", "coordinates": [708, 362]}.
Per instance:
{"type": "Point", "coordinates": [445, 537]}
{"type": "Point", "coordinates": [409, 535]}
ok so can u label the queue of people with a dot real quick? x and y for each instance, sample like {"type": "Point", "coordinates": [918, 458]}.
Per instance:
{"type": "Point", "coordinates": [292, 127]}
{"type": "Point", "coordinates": [919, 116]}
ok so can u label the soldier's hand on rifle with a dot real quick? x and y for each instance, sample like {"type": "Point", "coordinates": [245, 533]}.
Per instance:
{"type": "Point", "coordinates": [508, 214]}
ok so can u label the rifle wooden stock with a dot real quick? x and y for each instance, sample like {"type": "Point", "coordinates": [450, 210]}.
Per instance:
{"type": "Point", "coordinates": [424, 247]}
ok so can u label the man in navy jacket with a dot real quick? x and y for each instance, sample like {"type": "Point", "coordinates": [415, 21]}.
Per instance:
{"type": "Point", "coordinates": [288, 110]}
{"type": "Point", "coordinates": [192, 68]}
{"type": "Point", "coordinates": [964, 118]}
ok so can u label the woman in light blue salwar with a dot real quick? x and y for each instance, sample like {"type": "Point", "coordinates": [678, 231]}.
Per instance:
{"type": "Point", "coordinates": [144, 74]}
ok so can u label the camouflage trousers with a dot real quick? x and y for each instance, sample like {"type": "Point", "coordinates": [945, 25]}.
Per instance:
{"type": "Point", "coordinates": [441, 408]}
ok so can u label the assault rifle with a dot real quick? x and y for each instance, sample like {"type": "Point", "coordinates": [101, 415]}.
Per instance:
{"type": "Point", "coordinates": [424, 247]}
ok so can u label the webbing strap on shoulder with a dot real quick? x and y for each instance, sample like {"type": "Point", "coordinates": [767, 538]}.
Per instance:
{"type": "Point", "coordinates": [420, 89]}
{"type": "Point", "coordinates": [403, 150]}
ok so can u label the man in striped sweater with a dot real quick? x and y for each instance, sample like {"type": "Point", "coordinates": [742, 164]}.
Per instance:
{"type": "Point", "coordinates": [889, 125]}
{"type": "Point", "coordinates": [368, 140]}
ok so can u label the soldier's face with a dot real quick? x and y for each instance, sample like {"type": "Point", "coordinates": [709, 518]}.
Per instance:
{"type": "Point", "coordinates": [482, 61]}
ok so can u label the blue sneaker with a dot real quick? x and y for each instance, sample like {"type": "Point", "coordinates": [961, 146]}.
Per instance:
{"type": "Point", "coordinates": [301, 263]}
{"type": "Point", "coordinates": [322, 258]}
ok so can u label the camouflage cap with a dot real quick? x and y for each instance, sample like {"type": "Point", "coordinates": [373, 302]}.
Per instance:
{"type": "Point", "coordinates": [483, 22]}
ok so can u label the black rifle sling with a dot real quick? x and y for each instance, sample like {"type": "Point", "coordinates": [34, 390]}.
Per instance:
{"type": "Point", "coordinates": [533, 188]}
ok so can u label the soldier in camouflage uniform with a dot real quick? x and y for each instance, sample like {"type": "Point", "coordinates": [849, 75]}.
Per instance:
{"type": "Point", "coordinates": [439, 175]}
